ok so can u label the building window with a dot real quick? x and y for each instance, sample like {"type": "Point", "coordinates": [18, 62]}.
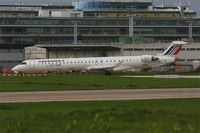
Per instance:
{"type": "Point", "coordinates": [191, 49]}
{"type": "Point", "coordinates": [138, 49]}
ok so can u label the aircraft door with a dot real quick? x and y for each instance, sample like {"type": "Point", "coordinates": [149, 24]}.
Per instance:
{"type": "Point", "coordinates": [99, 62]}
{"type": "Point", "coordinates": [96, 62]}
{"type": "Point", "coordinates": [32, 64]}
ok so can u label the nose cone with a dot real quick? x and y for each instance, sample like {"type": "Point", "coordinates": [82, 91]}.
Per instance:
{"type": "Point", "coordinates": [15, 69]}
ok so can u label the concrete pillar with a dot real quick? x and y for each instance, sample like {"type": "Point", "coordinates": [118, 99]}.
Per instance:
{"type": "Point", "coordinates": [131, 26]}
{"type": "Point", "coordinates": [75, 32]}
{"type": "Point", "coordinates": [190, 30]}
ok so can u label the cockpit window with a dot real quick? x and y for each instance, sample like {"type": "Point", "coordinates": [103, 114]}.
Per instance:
{"type": "Point", "coordinates": [23, 63]}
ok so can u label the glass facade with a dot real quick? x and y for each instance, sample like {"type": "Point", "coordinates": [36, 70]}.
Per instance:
{"type": "Point", "coordinates": [34, 30]}
{"type": "Point", "coordinates": [135, 8]}
{"type": "Point", "coordinates": [84, 5]}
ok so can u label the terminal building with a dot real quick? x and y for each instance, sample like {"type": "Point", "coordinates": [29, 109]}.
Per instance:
{"type": "Point", "coordinates": [86, 29]}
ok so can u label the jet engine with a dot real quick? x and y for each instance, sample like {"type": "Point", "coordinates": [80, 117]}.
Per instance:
{"type": "Point", "coordinates": [149, 58]}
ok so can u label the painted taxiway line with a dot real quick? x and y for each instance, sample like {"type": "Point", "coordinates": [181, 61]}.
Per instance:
{"type": "Point", "coordinates": [165, 76]}
{"type": "Point", "coordinates": [98, 95]}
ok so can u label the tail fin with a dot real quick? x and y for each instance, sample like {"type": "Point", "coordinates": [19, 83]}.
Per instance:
{"type": "Point", "coordinates": [174, 48]}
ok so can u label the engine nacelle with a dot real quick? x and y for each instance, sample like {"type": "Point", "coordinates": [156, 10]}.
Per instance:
{"type": "Point", "coordinates": [149, 58]}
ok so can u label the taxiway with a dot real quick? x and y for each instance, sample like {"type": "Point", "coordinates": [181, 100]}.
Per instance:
{"type": "Point", "coordinates": [98, 95]}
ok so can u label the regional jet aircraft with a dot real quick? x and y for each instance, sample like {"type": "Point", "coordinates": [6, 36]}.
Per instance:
{"type": "Point", "coordinates": [120, 63]}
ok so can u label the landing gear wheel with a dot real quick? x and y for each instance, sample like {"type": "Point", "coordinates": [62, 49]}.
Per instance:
{"type": "Point", "coordinates": [108, 73]}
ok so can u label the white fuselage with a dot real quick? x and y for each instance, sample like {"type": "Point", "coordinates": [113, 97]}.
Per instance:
{"type": "Point", "coordinates": [120, 63]}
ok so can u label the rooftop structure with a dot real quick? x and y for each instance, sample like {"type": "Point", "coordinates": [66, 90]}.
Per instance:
{"type": "Point", "coordinates": [99, 8]}
{"type": "Point", "coordinates": [36, 10]}
{"type": "Point", "coordinates": [135, 8]}
{"type": "Point", "coordinates": [111, 5]}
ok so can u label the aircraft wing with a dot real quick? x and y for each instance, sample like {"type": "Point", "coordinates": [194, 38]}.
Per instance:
{"type": "Point", "coordinates": [158, 65]}
{"type": "Point", "coordinates": [99, 67]}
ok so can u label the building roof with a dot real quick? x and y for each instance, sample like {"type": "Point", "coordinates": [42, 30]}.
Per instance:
{"type": "Point", "coordinates": [81, 46]}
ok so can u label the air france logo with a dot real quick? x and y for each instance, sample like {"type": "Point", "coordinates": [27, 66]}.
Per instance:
{"type": "Point", "coordinates": [52, 62]}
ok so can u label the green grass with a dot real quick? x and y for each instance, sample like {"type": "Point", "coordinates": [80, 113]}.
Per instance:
{"type": "Point", "coordinates": [144, 116]}
{"type": "Point", "coordinates": [88, 82]}
{"type": "Point", "coordinates": [197, 70]}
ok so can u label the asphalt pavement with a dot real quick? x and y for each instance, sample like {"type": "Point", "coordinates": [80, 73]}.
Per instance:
{"type": "Point", "coordinates": [98, 95]}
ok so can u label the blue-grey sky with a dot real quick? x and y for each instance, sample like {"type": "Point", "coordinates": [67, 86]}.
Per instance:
{"type": "Point", "coordinates": [195, 4]}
